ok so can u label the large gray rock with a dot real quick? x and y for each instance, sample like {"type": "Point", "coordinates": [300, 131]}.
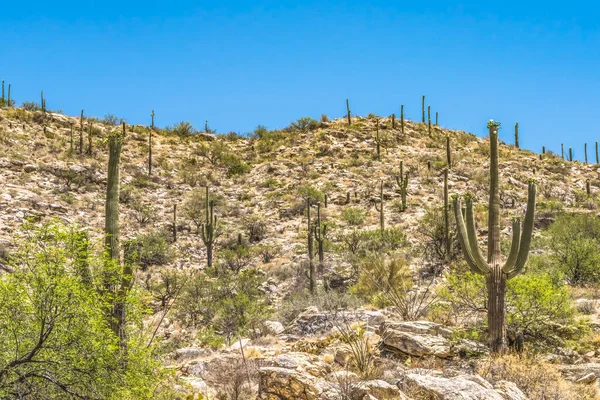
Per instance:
{"type": "Point", "coordinates": [578, 371]}
{"type": "Point", "coordinates": [418, 338]}
{"type": "Point", "coordinates": [460, 387]}
{"type": "Point", "coordinates": [378, 389]}
{"type": "Point", "coordinates": [283, 383]}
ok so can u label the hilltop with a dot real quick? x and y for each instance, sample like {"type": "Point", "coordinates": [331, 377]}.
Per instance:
{"type": "Point", "coordinates": [260, 185]}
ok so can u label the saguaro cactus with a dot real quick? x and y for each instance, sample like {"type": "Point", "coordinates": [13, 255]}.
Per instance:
{"type": "Point", "coordinates": [377, 140]}
{"type": "Point", "coordinates": [393, 121]}
{"type": "Point", "coordinates": [379, 207]}
{"type": "Point", "coordinates": [402, 119]}
{"type": "Point", "coordinates": [111, 229]}
{"type": "Point", "coordinates": [312, 279]}
{"type": "Point", "coordinates": [570, 154]}
{"type": "Point", "coordinates": [209, 228]}
{"type": "Point", "coordinates": [320, 233]}
{"type": "Point", "coordinates": [495, 272]}
{"type": "Point", "coordinates": [562, 150]}
{"type": "Point", "coordinates": [402, 180]}
{"type": "Point", "coordinates": [597, 153]}
{"type": "Point", "coordinates": [446, 216]}
{"type": "Point", "coordinates": [543, 149]}
{"type": "Point", "coordinates": [71, 139]}
{"type": "Point", "coordinates": [2, 91]}
{"type": "Point", "coordinates": [91, 127]}
{"type": "Point", "coordinates": [43, 103]}
{"type": "Point", "coordinates": [150, 145]}
{"type": "Point", "coordinates": [587, 187]}
{"type": "Point", "coordinates": [448, 152]}
{"type": "Point", "coordinates": [348, 114]}
{"type": "Point", "coordinates": [174, 223]}
{"type": "Point", "coordinates": [585, 152]}
{"type": "Point", "coordinates": [81, 134]}
{"type": "Point", "coordinates": [429, 119]}
{"type": "Point", "coordinates": [423, 109]}
{"type": "Point", "coordinates": [9, 102]}
{"type": "Point", "coordinates": [517, 135]}
{"type": "Point", "coordinates": [436, 119]}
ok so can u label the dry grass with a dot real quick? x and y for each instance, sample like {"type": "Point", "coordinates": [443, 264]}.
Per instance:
{"type": "Point", "coordinates": [537, 379]}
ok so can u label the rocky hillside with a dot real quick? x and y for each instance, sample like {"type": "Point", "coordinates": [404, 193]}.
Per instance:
{"type": "Point", "coordinates": [260, 186]}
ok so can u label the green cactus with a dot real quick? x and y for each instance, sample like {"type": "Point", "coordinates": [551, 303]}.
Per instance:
{"type": "Point", "coordinates": [9, 102]}
{"type": "Point", "coordinates": [587, 187]}
{"type": "Point", "coordinates": [209, 229]}
{"type": "Point", "coordinates": [2, 91]}
{"type": "Point", "coordinates": [543, 149]}
{"type": "Point", "coordinates": [150, 145]}
{"type": "Point", "coordinates": [429, 119]}
{"type": "Point", "coordinates": [570, 154]}
{"type": "Point", "coordinates": [379, 208]}
{"type": "Point", "coordinates": [71, 139]}
{"type": "Point", "coordinates": [495, 272]}
{"type": "Point", "coordinates": [377, 139]}
{"type": "Point", "coordinates": [81, 134]}
{"type": "Point", "coordinates": [585, 152]}
{"type": "Point", "coordinates": [206, 126]}
{"type": "Point", "coordinates": [43, 103]}
{"type": "Point", "coordinates": [320, 234]}
{"type": "Point", "coordinates": [517, 135]}
{"type": "Point", "coordinates": [448, 152]}
{"type": "Point", "coordinates": [393, 121]}
{"type": "Point", "coordinates": [446, 216]}
{"type": "Point", "coordinates": [402, 180]}
{"type": "Point", "coordinates": [325, 198]}
{"type": "Point", "coordinates": [91, 127]}
{"type": "Point", "coordinates": [423, 109]}
{"type": "Point", "coordinates": [402, 119]}
{"type": "Point", "coordinates": [312, 279]}
{"type": "Point", "coordinates": [597, 153]}
{"type": "Point", "coordinates": [348, 110]}
{"type": "Point", "coordinates": [562, 150]}
{"type": "Point", "coordinates": [436, 119]}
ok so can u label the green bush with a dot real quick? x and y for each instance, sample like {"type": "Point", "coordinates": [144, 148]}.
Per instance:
{"type": "Point", "coordinates": [354, 216]}
{"type": "Point", "coordinates": [379, 276]}
{"type": "Point", "coordinates": [182, 129]}
{"type": "Point", "coordinates": [147, 249]}
{"type": "Point", "coordinates": [304, 124]}
{"type": "Point", "coordinates": [361, 243]}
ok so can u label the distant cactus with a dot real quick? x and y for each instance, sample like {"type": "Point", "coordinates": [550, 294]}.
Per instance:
{"type": "Point", "coordinates": [206, 126]}
{"type": "Point", "coordinates": [312, 279]}
{"type": "Point", "coordinates": [517, 135]}
{"type": "Point", "coordinates": [348, 112]}
{"type": "Point", "coordinates": [423, 109]}
{"type": "Point", "coordinates": [446, 216]}
{"type": "Point", "coordinates": [562, 150]}
{"type": "Point", "coordinates": [448, 152]}
{"type": "Point", "coordinates": [496, 274]}
{"type": "Point", "coordinates": [43, 103]}
{"type": "Point", "coordinates": [379, 208]}
{"type": "Point", "coordinates": [436, 119]}
{"type": "Point", "coordinates": [429, 119]}
{"type": "Point", "coordinates": [402, 180]}
{"type": "Point", "coordinates": [543, 149]}
{"type": "Point", "coordinates": [377, 140]}
{"type": "Point", "coordinates": [9, 101]}
{"type": "Point", "coordinates": [348, 198]}
{"type": "Point", "coordinates": [585, 152]}
{"type": "Point", "coordinates": [81, 134]}
{"type": "Point", "coordinates": [209, 229]}
{"type": "Point", "coordinates": [3, 91]}
{"type": "Point", "coordinates": [402, 119]}
{"type": "Point", "coordinates": [150, 145]}
{"type": "Point", "coordinates": [393, 121]}
{"type": "Point", "coordinates": [71, 139]}
{"type": "Point", "coordinates": [597, 153]}
{"type": "Point", "coordinates": [325, 200]}
{"type": "Point", "coordinates": [570, 154]}
{"type": "Point", "coordinates": [587, 187]}
{"type": "Point", "coordinates": [320, 234]}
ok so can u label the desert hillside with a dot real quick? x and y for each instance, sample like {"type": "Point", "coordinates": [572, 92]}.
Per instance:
{"type": "Point", "coordinates": [392, 315]}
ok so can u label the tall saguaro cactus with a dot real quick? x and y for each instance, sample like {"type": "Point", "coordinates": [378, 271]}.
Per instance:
{"type": "Point", "coordinates": [446, 216]}
{"type": "Point", "coordinates": [209, 228]}
{"type": "Point", "coordinates": [597, 153]}
{"type": "Point", "coordinates": [90, 150]}
{"type": "Point", "coordinates": [348, 114]}
{"type": "Point", "coordinates": [436, 119]}
{"type": "Point", "coordinates": [570, 154]}
{"type": "Point", "coordinates": [379, 208]}
{"type": "Point", "coordinates": [517, 135]}
{"type": "Point", "coordinates": [402, 119]}
{"type": "Point", "coordinates": [402, 180]}
{"type": "Point", "coordinates": [150, 145]}
{"type": "Point", "coordinates": [377, 139]}
{"type": "Point", "coordinates": [495, 272]}
{"type": "Point", "coordinates": [3, 90]}
{"type": "Point", "coordinates": [448, 152]}
{"type": "Point", "coordinates": [562, 150]}
{"type": "Point", "coordinates": [320, 232]}
{"type": "Point", "coordinates": [423, 109]}
{"type": "Point", "coordinates": [111, 230]}
{"type": "Point", "coordinates": [9, 102]}
{"type": "Point", "coordinates": [81, 133]}
{"type": "Point", "coordinates": [312, 278]}
{"type": "Point", "coordinates": [429, 119]}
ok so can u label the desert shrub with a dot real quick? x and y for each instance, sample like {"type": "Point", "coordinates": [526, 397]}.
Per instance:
{"type": "Point", "coordinates": [111, 119]}
{"type": "Point", "coordinates": [354, 216]}
{"type": "Point", "coordinates": [379, 274]}
{"type": "Point", "coordinates": [304, 124]}
{"type": "Point", "coordinates": [143, 212]}
{"type": "Point", "coordinates": [432, 231]}
{"type": "Point", "coordinates": [324, 118]}
{"type": "Point", "coordinates": [256, 228]}
{"type": "Point", "coordinates": [330, 301]}
{"type": "Point", "coordinates": [235, 255]}
{"type": "Point", "coordinates": [213, 151]}
{"type": "Point", "coordinates": [363, 352]}
{"type": "Point", "coordinates": [536, 305]}
{"type": "Point", "coordinates": [147, 249]}
{"type": "Point", "coordinates": [536, 378]}
{"type": "Point", "coordinates": [268, 252]}
{"type": "Point", "coordinates": [194, 207]}
{"type": "Point", "coordinates": [31, 106]}
{"type": "Point", "coordinates": [234, 165]}
{"type": "Point", "coordinates": [308, 191]}
{"type": "Point", "coordinates": [361, 242]}
{"type": "Point", "coordinates": [223, 302]}
{"type": "Point", "coordinates": [182, 129]}
{"type": "Point", "coordinates": [574, 241]}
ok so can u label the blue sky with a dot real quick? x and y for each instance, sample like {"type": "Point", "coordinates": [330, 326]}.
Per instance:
{"type": "Point", "coordinates": [239, 64]}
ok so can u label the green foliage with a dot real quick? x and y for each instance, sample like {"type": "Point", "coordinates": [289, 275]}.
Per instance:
{"type": "Point", "coordinates": [224, 302]}
{"type": "Point", "coordinates": [147, 249]}
{"type": "Point", "coordinates": [31, 106]}
{"type": "Point", "coordinates": [354, 216]}
{"type": "Point", "coordinates": [111, 119]}
{"type": "Point", "coordinates": [331, 300]}
{"type": "Point", "coordinates": [378, 275]}
{"type": "Point", "coordinates": [536, 305]}
{"type": "Point", "coordinates": [574, 241]}
{"type": "Point", "coordinates": [182, 129]}
{"type": "Point", "coordinates": [361, 243]}
{"type": "Point", "coordinates": [304, 124]}
{"type": "Point", "coordinates": [308, 191]}
{"type": "Point", "coordinates": [60, 344]}
{"type": "Point", "coordinates": [431, 230]}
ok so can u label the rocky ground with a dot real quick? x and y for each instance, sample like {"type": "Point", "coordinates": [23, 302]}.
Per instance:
{"type": "Point", "coordinates": [41, 177]}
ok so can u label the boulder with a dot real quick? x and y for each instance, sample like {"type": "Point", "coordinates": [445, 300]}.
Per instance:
{"type": "Point", "coordinates": [274, 327]}
{"type": "Point", "coordinates": [417, 339]}
{"type": "Point", "coordinates": [461, 387]}
{"type": "Point", "coordinates": [378, 389]}
{"type": "Point", "coordinates": [509, 391]}
{"type": "Point", "coordinates": [283, 383]}
{"type": "Point", "coordinates": [578, 371]}
{"type": "Point", "coordinates": [190, 353]}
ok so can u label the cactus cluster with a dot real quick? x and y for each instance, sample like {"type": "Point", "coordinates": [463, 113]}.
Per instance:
{"type": "Point", "coordinates": [496, 272]}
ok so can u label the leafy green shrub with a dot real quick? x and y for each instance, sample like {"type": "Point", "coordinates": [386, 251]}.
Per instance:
{"type": "Point", "coordinates": [361, 243]}
{"type": "Point", "coordinates": [379, 275]}
{"type": "Point", "coordinates": [536, 305]}
{"type": "Point", "coordinates": [111, 119]}
{"type": "Point", "coordinates": [147, 249]}
{"type": "Point", "coordinates": [31, 106]}
{"type": "Point", "coordinates": [304, 124]}
{"type": "Point", "coordinates": [182, 129]}
{"type": "Point", "coordinates": [574, 241]}
{"type": "Point", "coordinates": [354, 216]}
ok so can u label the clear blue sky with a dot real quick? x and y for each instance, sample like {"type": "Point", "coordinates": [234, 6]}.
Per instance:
{"type": "Point", "coordinates": [244, 63]}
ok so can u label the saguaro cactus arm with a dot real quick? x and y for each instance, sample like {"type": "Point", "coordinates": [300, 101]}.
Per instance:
{"type": "Point", "coordinates": [472, 235]}
{"type": "Point", "coordinates": [527, 233]}
{"type": "Point", "coordinates": [464, 242]}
